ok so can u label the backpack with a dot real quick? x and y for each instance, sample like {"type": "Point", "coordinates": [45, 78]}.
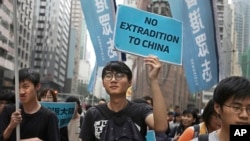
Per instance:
{"type": "Point", "coordinates": [203, 137]}
{"type": "Point", "coordinates": [196, 130]}
{"type": "Point", "coordinates": [119, 128]}
{"type": "Point", "coordinates": [81, 120]}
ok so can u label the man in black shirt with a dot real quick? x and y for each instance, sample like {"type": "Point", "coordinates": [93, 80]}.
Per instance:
{"type": "Point", "coordinates": [36, 122]}
{"type": "Point", "coordinates": [116, 79]}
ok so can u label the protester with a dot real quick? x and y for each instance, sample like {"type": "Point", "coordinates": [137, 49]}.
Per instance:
{"type": "Point", "coordinates": [177, 109]}
{"type": "Point", "coordinates": [139, 100]}
{"type": "Point", "coordinates": [170, 116]}
{"type": "Point", "coordinates": [161, 136]}
{"type": "Point", "coordinates": [48, 95]}
{"type": "Point", "coordinates": [74, 126]}
{"type": "Point", "coordinates": [117, 78]}
{"type": "Point", "coordinates": [102, 101]}
{"type": "Point", "coordinates": [189, 117]}
{"type": "Point", "coordinates": [6, 97]}
{"type": "Point", "coordinates": [36, 122]}
{"type": "Point", "coordinates": [232, 104]}
{"type": "Point", "coordinates": [149, 100]}
{"type": "Point", "coordinates": [176, 122]}
{"type": "Point", "coordinates": [211, 122]}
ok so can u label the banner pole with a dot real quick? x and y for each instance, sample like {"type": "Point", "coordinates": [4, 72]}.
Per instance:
{"type": "Point", "coordinates": [15, 28]}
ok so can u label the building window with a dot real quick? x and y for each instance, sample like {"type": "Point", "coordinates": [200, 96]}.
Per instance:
{"type": "Point", "coordinates": [3, 39]}
{"type": "Point", "coordinates": [26, 57]}
{"type": "Point", "coordinates": [27, 46]}
{"type": "Point", "coordinates": [5, 24]}
{"type": "Point", "coordinates": [5, 9]}
{"type": "Point", "coordinates": [19, 40]}
{"type": "Point", "coordinates": [18, 51]}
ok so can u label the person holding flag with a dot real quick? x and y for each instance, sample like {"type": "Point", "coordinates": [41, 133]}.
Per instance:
{"type": "Point", "coordinates": [36, 122]}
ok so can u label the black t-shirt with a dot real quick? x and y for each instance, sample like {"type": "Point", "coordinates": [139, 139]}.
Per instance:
{"type": "Point", "coordinates": [42, 124]}
{"type": "Point", "coordinates": [94, 122]}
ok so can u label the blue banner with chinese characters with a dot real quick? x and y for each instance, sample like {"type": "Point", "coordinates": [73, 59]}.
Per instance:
{"type": "Point", "coordinates": [63, 110]}
{"type": "Point", "coordinates": [200, 58]}
{"type": "Point", "coordinates": [100, 17]}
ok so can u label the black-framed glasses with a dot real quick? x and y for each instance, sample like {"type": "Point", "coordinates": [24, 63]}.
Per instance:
{"type": "Point", "coordinates": [118, 76]}
{"type": "Point", "coordinates": [238, 109]}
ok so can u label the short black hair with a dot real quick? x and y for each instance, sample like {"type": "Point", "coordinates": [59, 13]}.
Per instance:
{"type": "Point", "coordinates": [208, 112]}
{"type": "Point", "coordinates": [193, 112]}
{"type": "Point", "coordinates": [148, 98]}
{"type": "Point", "coordinates": [8, 96]}
{"type": "Point", "coordinates": [75, 99]}
{"type": "Point", "coordinates": [119, 67]}
{"type": "Point", "coordinates": [171, 113]}
{"type": "Point", "coordinates": [102, 99]}
{"type": "Point", "coordinates": [235, 86]}
{"type": "Point", "coordinates": [139, 100]}
{"type": "Point", "coordinates": [28, 74]}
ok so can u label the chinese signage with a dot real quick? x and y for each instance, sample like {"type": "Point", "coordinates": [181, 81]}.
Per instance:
{"type": "Point", "coordinates": [63, 110]}
{"type": "Point", "coordinates": [200, 59]}
{"type": "Point", "coordinates": [100, 17]}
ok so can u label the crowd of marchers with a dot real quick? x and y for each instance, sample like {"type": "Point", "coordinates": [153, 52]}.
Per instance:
{"type": "Point", "coordinates": [120, 118]}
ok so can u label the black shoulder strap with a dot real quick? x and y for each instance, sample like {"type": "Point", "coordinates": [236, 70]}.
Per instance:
{"type": "Point", "coordinates": [203, 137]}
{"type": "Point", "coordinates": [196, 130]}
{"type": "Point", "coordinates": [81, 119]}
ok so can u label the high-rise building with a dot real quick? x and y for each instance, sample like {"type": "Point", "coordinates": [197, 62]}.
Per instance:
{"type": "Point", "coordinates": [241, 35]}
{"type": "Point", "coordinates": [71, 83]}
{"type": "Point", "coordinates": [7, 53]}
{"type": "Point", "coordinates": [84, 67]}
{"type": "Point", "coordinates": [81, 74]}
{"type": "Point", "coordinates": [51, 41]}
{"type": "Point", "coordinates": [25, 22]}
{"type": "Point", "coordinates": [226, 51]}
{"type": "Point", "coordinates": [24, 27]}
{"type": "Point", "coordinates": [241, 24]}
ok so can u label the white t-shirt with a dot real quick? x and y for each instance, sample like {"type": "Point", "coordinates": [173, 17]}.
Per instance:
{"type": "Point", "coordinates": [211, 137]}
{"type": "Point", "coordinates": [172, 125]}
{"type": "Point", "coordinates": [74, 129]}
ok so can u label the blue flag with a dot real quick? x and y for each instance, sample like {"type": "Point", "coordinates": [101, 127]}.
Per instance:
{"type": "Point", "coordinates": [100, 17]}
{"type": "Point", "coordinates": [200, 58]}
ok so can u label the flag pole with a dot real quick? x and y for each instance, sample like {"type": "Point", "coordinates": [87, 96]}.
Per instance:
{"type": "Point", "coordinates": [16, 64]}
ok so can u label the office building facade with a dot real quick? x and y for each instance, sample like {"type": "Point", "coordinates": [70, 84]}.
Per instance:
{"type": "Point", "coordinates": [50, 41]}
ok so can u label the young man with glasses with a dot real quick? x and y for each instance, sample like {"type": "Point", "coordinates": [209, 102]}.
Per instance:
{"type": "Point", "coordinates": [232, 104]}
{"type": "Point", "coordinates": [116, 79]}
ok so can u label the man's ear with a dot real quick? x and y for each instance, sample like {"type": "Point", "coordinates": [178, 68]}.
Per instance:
{"type": "Point", "coordinates": [130, 82]}
{"type": "Point", "coordinates": [217, 108]}
{"type": "Point", "coordinates": [38, 86]}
